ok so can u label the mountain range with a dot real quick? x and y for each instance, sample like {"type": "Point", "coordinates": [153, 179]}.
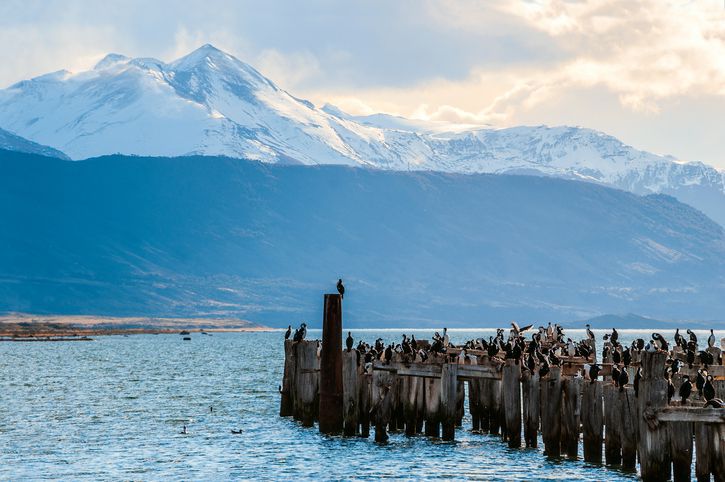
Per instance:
{"type": "Point", "coordinates": [221, 237]}
{"type": "Point", "coordinates": [210, 103]}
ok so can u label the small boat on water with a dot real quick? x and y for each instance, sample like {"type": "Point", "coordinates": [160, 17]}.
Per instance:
{"type": "Point", "coordinates": [184, 332]}
{"type": "Point", "coordinates": [187, 338]}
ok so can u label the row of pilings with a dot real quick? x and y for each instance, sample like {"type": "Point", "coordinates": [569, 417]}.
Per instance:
{"type": "Point", "coordinates": [325, 383]}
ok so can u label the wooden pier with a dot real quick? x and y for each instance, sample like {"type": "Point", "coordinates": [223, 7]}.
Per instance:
{"type": "Point", "coordinates": [617, 425]}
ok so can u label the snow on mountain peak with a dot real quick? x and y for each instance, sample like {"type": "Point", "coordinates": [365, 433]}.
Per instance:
{"type": "Point", "coordinates": [110, 60]}
{"type": "Point", "coordinates": [209, 102]}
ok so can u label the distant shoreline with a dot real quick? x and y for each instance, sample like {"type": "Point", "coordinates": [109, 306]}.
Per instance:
{"type": "Point", "coordinates": [26, 327]}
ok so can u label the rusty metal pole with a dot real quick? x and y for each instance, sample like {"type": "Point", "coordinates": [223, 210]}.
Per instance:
{"type": "Point", "coordinates": [331, 366]}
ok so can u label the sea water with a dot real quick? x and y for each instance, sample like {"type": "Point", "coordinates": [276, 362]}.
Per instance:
{"type": "Point", "coordinates": [115, 408]}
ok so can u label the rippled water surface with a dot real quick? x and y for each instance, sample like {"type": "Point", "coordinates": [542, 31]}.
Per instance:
{"type": "Point", "coordinates": [115, 408]}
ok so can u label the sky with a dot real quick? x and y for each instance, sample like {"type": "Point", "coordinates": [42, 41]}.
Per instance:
{"type": "Point", "coordinates": [650, 72]}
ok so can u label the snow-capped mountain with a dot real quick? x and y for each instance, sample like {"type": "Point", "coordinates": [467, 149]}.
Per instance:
{"type": "Point", "coordinates": [209, 102]}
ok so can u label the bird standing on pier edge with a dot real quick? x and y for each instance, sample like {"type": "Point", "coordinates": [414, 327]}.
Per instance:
{"type": "Point", "coordinates": [349, 341]}
{"type": "Point", "coordinates": [341, 288]}
{"type": "Point", "coordinates": [288, 333]}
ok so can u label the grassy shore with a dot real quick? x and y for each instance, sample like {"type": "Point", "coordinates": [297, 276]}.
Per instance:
{"type": "Point", "coordinates": [16, 326]}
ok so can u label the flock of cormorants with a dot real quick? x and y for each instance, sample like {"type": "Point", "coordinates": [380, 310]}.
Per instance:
{"type": "Point", "coordinates": [546, 348]}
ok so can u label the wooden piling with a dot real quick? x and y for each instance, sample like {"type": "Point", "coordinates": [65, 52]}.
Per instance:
{"type": "Point", "coordinates": [365, 403]}
{"type": "Point", "coordinates": [629, 427]}
{"type": "Point", "coordinates": [703, 450]}
{"type": "Point", "coordinates": [653, 446]}
{"type": "Point", "coordinates": [306, 379]}
{"type": "Point", "coordinates": [382, 408]}
{"type": "Point", "coordinates": [286, 404]}
{"type": "Point", "coordinates": [530, 395]}
{"type": "Point", "coordinates": [717, 454]}
{"type": "Point", "coordinates": [495, 408]}
{"type": "Point", "coordinates": [680, 434]}
{"type": "Point", "coordinates": [570, 419]}
{"type": "Point", "coordinates": [612, 421]}
{"type": "Point", "coordinates": [432, 407]}
{"type": "Point", "coordinates": [512, 402]}
{"type": "Point", "coordinates": [551, 412]}
{"type": "Point", "coordinates": [351, 381]}
{"type": "Point", "coordinates": [449, 397]}
{"type": "Point", "coordinates": [409, 399]}
{"type": "Point", "coordinates": [484, 404]}
{"type": "Point", "coordinates": [331, 389]}
{"type": "Point", "coordinates": [592, 417]}
{"type": "Point", "coordinates": [474, 404]}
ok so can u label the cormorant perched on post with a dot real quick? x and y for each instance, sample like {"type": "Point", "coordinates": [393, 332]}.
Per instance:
{"type": "Point", "coordinates": [685, 389]}
{"type": "Point", "coordinates": [590, 333]}
{"type": "Point", "coordinates": [670, 390]}
{"type": "Point", "coordinates": [288, 333]}
{"type": "Point", "coordinates": [711, 339]}
{"type": "Point", "coordinates": [615, 375]}
{"type": "Point", "coordinates": [700, 380]}
{"type": "Point", "coordinates": [708, 390]}
{"type": "Point", "coordinates": [349, 341]}
{"type": "Point", "coordinates": [693, 337]}
{"type": "Point", "coordinates": [623, 379]}
{"type": "Point", "coordinates": [660, 341]}
{"type": "Point", "coordinates": [614, 337]}
{"type": "Point", "coordinates": [594, 372]}
{"type": "Point", "coordinates": [341, 288]}
{"type": "Point", "coordinates": [301, 332]}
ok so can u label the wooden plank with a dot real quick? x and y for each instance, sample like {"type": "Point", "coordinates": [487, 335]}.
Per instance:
{"type": "Point", "coordinates": [691, 414]}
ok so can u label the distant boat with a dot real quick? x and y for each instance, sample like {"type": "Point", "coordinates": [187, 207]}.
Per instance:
{"type": "Point", "coordinates": [187, 338]}
{"type": "Point", "coordinates": [184, 332]}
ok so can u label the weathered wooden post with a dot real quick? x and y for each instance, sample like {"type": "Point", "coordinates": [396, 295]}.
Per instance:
{"type": "Point", "coordinates": [680, 434]}
{"type": "Point", "coordinates": [628, 427]}
{"type": "Point", "coordinates": [592, 416]}
{"type": "Point", "coordinates": [474, 404]}
{"type": "Point", "coordinates": [718, 452]}
{"type": "Point", "coordinates": [551, 412]}
{"type": "Point", "coordinates": [449, 399]}
{"type": "Point", "coordinates": [484, 404]}
{"type": "Point", "coordinates": [410, 392]}
{"type": "Point", "coordinates": [307, 376]}
{"type": "Point", "coordinates": [654, 460]}
{"type": "Point", "coordinates": [512, 402]}
{"type": "Point", "coordinates": [612, 421]}
{"type": "Point", "coordinates": [365, 403]}
{"type": "Point", "coordinates": [530, 392]}
{"type": "Point", "coordinates": [460, 403]}
{"type": "Point", "coordinates": [331, 391]}
{"type": "Point", "coordinates": [432, 406]}
{"type": "Point", "coordinates": [351, 381]}
{"type": "Point", "coordinates": [382, 408]}
{"type": "Point", "coordinates": [703, 450]}
{"type": "Point", "coordinates": [496, 421]}
{"type": "Point", "coordinates": [286, 404]}
{"type": "Point", "coordinates": [570, 416]}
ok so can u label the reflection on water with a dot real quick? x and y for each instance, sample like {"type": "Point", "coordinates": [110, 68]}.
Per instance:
{"type": "Point", "coordinates": [115, 408]}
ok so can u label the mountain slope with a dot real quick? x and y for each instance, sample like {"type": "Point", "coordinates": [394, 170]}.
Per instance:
{"type": "Point", "coordinates": [216, 237]}
{"type": "Point", "coordinates": [210, 103]}
{"type": "Point", "coordinates": [11, 142]}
